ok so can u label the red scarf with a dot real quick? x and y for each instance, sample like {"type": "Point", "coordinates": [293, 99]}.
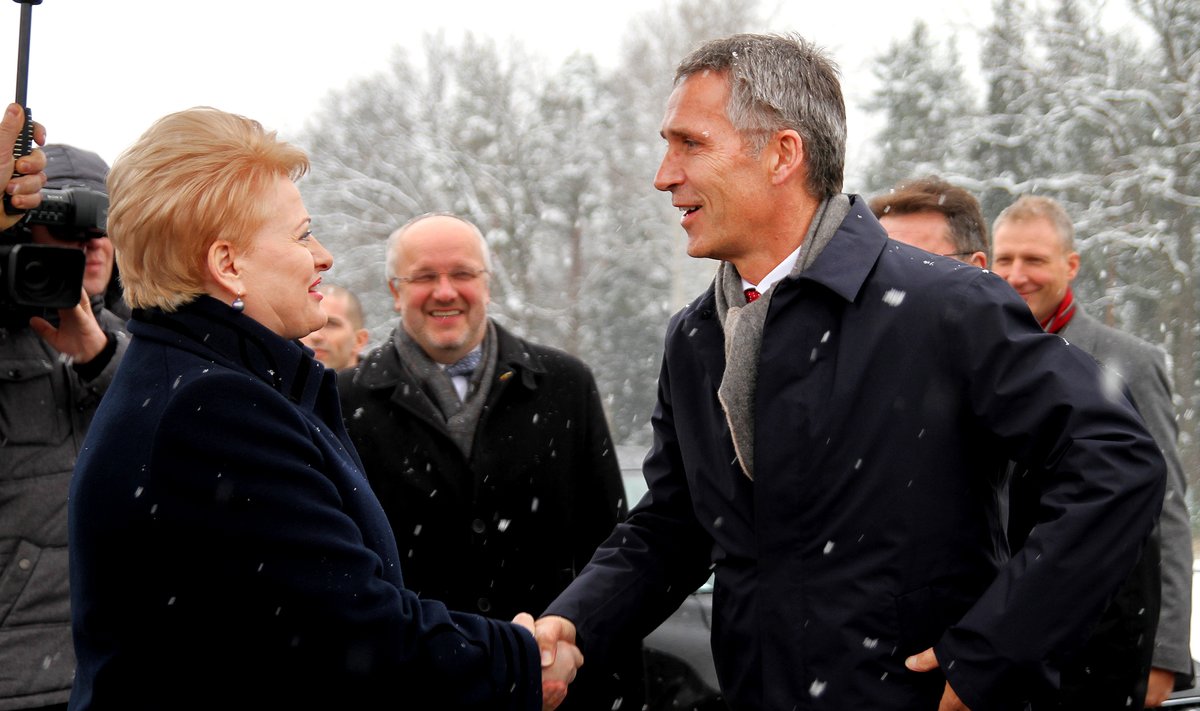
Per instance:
{"type": "Point", "coordinates": [1062, 315]}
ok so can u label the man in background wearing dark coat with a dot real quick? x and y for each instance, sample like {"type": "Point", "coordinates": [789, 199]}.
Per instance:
{"type": "Point", "coordinates": [832, 417]}
{"type": "Point", "coordinates": [490, 454]}
{"type": "Point", "coordinates": [1034, 243]}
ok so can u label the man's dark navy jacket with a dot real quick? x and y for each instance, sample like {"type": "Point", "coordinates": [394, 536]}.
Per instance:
{"type": "Point", "coordinates": [893, 385]}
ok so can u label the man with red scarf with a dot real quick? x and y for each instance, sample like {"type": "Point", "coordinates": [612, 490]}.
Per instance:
{"type": "Point", "coordinates": [1033, 249]}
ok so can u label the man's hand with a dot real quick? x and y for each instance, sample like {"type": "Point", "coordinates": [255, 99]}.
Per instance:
{"type": "Point", "coordinates": [78, 335]}
{"type": "Point", "coordinates": [1159, 687]}
{"type": "Point", "coordinates": [561, 659]}
{"type": "Point", "coordinates": [555, 678]}
{"type": "Point", "coordinates": [24, 191]}
{"type": "Point", "coordinates": [927, 661]}
{"type": "Point", "coordinates": [549, 631]}
{"type": "Point", "coordinates": [556, 639]}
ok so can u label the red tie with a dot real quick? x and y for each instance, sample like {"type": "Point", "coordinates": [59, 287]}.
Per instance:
{"type": "Point", "coordinates": [752, 295]}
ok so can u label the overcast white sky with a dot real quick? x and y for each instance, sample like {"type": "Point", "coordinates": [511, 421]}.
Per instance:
{"type": "Point", "coordinates": [101, 71]}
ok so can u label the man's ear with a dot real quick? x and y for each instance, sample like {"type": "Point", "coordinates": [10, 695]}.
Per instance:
{"type": "Point", "coordinates": [1072, 265]}
{"type": "Point", "coordinates": [394, 290]}
{"type": "Point", "coordinates": [223, 271]}
{"type": "Point", "coordinates": [360, 340]}
{"type": "Point", "coordinates": [785, 155]}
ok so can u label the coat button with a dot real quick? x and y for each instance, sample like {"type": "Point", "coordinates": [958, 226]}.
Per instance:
{"type": "Point", "coordinates": [24, 564]}
{"type": "Point", "coordinates": [478, 526]}
{"type": "Point", "coordinates": [484, 605]}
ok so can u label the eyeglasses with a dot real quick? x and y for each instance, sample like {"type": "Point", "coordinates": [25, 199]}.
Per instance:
{"type": "Point", "coordinates": [458, 277]}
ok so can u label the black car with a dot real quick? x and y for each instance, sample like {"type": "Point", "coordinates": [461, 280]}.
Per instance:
{"type": "Point", "coordinates": [1188, 699]}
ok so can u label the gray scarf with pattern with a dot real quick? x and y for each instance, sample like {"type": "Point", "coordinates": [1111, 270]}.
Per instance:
{"type": "Point", "coordinates": [459, 416]}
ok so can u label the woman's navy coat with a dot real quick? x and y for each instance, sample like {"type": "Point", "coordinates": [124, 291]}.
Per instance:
{"type": "Point", "coordinates": [227, 552]}
{"type": "Point", "coordinates": [893, 385]}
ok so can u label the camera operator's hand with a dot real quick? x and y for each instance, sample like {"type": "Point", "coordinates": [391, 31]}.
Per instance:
{"type": "Point", "coordinates": [78, 334]}
{"type": "Point", "coordinates": [24, 190]}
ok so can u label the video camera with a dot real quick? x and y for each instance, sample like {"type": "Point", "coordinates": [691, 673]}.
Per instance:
{"type": "Point", "coordinates": [34, 277]}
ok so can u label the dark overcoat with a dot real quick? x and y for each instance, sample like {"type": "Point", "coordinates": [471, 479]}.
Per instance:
{"type": "Point", "coordinates": [504, 530]}
{"type": "Point", "coordinates": [1143, 368]}
{"type": "Point", "coordinates": [892, 387]}
{"type": "Point", "coordinates": [1115, 663]}
{"type": "Point", "coordinates": [227, 552]}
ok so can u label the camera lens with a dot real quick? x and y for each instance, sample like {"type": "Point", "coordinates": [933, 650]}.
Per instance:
{"type": "Point", "coordinates": [36, 279]}
{"type": "Point", "coordinates": [41, 276]}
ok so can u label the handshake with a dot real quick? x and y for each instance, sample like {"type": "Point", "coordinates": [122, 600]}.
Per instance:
{"type": "Point", "coordinates": [561, 659]}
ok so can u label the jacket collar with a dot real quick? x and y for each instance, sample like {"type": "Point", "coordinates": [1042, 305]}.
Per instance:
{"type": "Point", "coordinates": [846, 262]}
{"type": "Point", "coordinates": [213, 330]}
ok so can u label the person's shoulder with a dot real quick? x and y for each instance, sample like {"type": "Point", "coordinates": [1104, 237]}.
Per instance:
{"type": "Point", "coordinates": [906, 273]}
{"type": "Point", "coordinates": [919, 265]}
{"type": "Point", "coordinates": [518, 350]}
{"type": "Point", "coordinates": [204, 396]}
{"type": "Point", "coordinates": [200, 378]}
{"type": "Point", "coordinates": [1113, 344]}
{"type": "Point", "coordinates": [110, 321]}
{"type": "Point", "coordinates": [378, 368]}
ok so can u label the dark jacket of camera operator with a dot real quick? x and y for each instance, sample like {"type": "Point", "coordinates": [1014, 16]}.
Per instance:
{"type": "Point", "coordinates": [52, 376]}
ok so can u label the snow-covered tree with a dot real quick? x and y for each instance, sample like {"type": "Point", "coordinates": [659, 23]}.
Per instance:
{"type": "Point", "coordinates": [927, 106]}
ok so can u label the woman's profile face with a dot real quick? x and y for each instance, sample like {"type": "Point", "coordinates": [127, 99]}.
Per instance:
{"type": "Point", "coordinates": [283, 266]}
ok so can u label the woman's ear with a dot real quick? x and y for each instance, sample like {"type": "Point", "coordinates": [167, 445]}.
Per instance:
{"type": "Point", "coordinates": [222, 267]}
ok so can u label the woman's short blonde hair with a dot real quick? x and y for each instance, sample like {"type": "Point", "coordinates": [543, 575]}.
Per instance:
{"type": "Point", "coordinates": [194, 177]}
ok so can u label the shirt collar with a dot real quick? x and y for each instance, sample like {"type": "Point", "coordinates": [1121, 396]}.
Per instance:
{"type": "Point", "coordinates": [780, 271]}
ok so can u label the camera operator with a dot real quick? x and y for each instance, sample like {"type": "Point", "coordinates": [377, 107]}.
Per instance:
{"type": "Point", "coordinates": [53, 372]}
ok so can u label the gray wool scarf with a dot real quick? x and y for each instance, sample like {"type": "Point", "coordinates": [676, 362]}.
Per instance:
{"type": "Point", "coordinates": [743, 324]}
{"type": "Point", "coordinates": [459, 416]}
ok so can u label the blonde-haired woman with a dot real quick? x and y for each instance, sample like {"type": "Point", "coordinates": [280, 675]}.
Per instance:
{"type": "Point", "coordinates": [226, 551]}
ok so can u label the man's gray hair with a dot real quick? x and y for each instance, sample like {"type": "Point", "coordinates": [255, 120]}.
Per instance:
{"type": "Point", "coordinates": [389, 264]}
{"type": "Point", "coordinates": [781, 82]}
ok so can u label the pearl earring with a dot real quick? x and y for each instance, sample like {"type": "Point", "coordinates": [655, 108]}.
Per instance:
{"type": "Point", "coordinates": [238, 305]}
